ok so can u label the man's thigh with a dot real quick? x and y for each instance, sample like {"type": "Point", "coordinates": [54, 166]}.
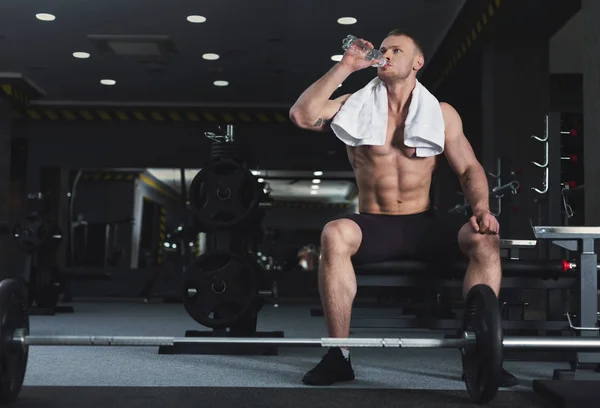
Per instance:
{"type": "Point", "coordinates": [438, 238]}
{"type": "Point", "coordinates": [388, 237]}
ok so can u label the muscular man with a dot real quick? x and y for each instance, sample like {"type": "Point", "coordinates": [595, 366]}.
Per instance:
{"type": "Point", "coordinates": [395, 217]}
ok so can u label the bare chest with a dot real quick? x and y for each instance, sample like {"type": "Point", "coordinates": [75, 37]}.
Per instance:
{"type": "Point", "coordinates": [394, 141]}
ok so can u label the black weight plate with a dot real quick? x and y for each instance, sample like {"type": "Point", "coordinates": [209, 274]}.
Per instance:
{"type": "Point", "coordinates": [224, 195]}
{"type": "Point", "coordinates": [46, 287]}
{"type": "Point", "coordinates": [31, 232]}
{"type": "Point", "coordinates": [13, 357]}
{"type": "Point", "coordinates": [225, 151]}
{"type": "Point", "coordinates": [220, 288]}
{"type": "Point", "coordinates": [482, 361]}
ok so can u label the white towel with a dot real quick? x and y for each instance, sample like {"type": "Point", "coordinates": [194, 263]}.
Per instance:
{"type": "Point", "coordinates": [362, 120]}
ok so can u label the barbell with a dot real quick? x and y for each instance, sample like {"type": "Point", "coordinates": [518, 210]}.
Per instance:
{"type": "Point", "coordinates": [481, 343]}
{"type": "Point", "coordinates": [21, 338]}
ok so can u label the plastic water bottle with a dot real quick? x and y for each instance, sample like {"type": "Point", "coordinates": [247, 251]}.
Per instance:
{"type": "Point", "coordinates": [362, 50]}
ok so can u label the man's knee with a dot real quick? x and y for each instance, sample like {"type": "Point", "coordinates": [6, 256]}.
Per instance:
{"type": "Point", "coordinates": [341, 236]}
{"type": "Point", "coordinates": [474, 244]}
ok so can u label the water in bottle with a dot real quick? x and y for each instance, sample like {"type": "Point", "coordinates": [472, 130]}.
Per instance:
{"type": "Point", "coordinates": [362, 50]}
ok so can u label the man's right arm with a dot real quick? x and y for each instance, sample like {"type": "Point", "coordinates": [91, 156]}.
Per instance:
{"type": "Point", "coordinates": [314, 110]}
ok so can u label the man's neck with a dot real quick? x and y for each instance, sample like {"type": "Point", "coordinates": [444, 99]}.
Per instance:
{"type": "Point", "coordinates": [399, 94]}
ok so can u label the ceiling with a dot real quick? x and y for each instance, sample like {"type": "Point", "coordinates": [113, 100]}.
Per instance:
{"type": "Point", "coordinates": [270, 50]}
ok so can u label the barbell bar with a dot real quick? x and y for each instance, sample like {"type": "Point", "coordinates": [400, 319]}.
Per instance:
{"type": "Point", "coordinates": [512, 343]}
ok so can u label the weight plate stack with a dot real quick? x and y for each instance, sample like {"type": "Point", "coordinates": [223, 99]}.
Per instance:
{"type": "Point", "coordinates": [226, 151]}
{"type": "Point", "coordinates": [46, 286]}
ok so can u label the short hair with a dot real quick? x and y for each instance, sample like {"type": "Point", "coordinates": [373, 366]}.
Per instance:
{"type": "Point", "coordinates": [399, 33]}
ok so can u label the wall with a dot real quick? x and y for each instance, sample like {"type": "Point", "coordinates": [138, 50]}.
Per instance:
{"type": "Point", "coordinates": [104, 201]}
{"type": "Point", "coordinates": [142, 145]}
{"type": "Point", "coordinates": [107, 201]}
{"type": "Point", "coordinates": [591, 111]}
{"type": "Point", "coordinates": [566, 93]}
{"type": "Point", "coordinates": [567, 46]}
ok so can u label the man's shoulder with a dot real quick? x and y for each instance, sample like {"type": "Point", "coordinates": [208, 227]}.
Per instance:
{"type": "Point", "coordinates": [449, 113]}
{"type": "Point", "coordinates": [447, 108]}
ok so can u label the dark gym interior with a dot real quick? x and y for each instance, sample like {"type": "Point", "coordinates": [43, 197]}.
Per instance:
{"type": "Point", "coordinates": [120, 120]}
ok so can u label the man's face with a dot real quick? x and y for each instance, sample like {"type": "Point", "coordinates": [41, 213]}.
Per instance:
{"type": "Point", "coordinates": [403, 59]}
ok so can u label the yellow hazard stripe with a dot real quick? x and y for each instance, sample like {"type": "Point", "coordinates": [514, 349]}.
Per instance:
{"type": "Point", "coordinates": [33, 114]}
{"type": "Point", "coordinates": [69, 115]}
{"type": "Point", "coordinates": [280, 116]}
{"type": "Point", "coordinates": [175, 116]}
{"type": "Point", "coordinates": [471, 34]}
{"type": "Point", "coordinates": [157, 186]}
{"type": "Point", "coordinates": [121, 115]}
{"type": "Point", "coordinates": [245, 117]}
{"type": "Point", "coordinates": [15, 93]}
{"type": "Point", "coordinates": [209, 116]}
{"type": "Point", "coordinates": [108, 176]}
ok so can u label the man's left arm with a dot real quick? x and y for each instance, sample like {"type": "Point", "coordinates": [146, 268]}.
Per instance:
{"type": "Point", "coordinates": [470, 172]}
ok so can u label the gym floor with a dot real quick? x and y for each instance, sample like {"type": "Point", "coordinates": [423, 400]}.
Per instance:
{"type": "Point", "coordinates": [63, 376]}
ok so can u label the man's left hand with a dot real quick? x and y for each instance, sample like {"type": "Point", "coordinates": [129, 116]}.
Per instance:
{"type": "Point", "coordinates": [485, 223]}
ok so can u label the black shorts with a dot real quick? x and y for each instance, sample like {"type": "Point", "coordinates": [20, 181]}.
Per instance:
{"type": "Point", "coordinates": [424, 236]}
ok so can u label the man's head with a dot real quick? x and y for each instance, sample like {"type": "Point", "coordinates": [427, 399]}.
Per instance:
{"type": "Point", "coordinates": [404, 54]}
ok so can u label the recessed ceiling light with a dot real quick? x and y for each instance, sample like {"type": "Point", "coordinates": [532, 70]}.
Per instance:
{"type": "Point", "coordinates": [313, 192]}
{"type": "Point", "coordinates": [314, 187]}
{"type": "Point", "coordinates": [337, 57]}
{"type": "Point", "coordinates": [81, 55]}
{"type": "Point", "coordinates": [211, 57]}
{"type": "Point", "coordinates": [108, 82]}
{"type": "Point", "coordinates": [347, 20]}
{"type": "Point", "coordinates": [261, 180]}
{"type": "Point", "coordinates": [316, 181]}
{"type": "Point", "coordinates": [318, 173]}
{"type": "Point", "coordinates": [45, 17]}
{"type": "Point", "coordinates": [196, 19]}
{"type": "Point", "coordinates": [221, 83]}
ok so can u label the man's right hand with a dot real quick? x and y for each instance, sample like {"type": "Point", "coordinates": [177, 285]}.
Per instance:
{"type": "Point", "coordinates": [354, 62]}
